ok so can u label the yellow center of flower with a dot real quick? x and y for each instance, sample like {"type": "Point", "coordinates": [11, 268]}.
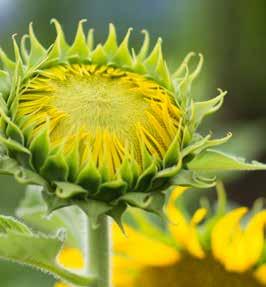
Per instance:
{"type": "Point", "coordinates": [109, 112]}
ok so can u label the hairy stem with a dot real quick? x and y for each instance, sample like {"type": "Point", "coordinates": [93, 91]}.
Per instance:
{"type": "Point", "coordinates": [99, 251]}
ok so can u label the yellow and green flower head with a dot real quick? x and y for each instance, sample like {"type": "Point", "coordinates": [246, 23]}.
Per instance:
{"type": "Point", "coordinates": [104, 124]}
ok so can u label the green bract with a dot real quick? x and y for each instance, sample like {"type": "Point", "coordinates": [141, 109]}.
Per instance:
{"type": "Point", "coordinates": [104, 127]}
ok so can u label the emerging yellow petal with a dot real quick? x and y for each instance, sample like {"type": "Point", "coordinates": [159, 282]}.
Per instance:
{"type": "Point", "coordinates": [110, 112]}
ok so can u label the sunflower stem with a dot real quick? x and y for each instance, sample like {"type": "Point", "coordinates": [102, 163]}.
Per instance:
{"type": "Point", "coordinates": [99, 251]}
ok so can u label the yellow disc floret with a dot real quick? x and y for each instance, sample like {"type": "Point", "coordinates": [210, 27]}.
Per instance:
{"type": "Point", "coordinates": [111, 113]}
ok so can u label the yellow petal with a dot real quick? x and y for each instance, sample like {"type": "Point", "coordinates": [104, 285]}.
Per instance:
{"type": "Point", "coordinates": [60, 284]}
{"type": "Point", "coordinates": [177, 192]}
{"type": "Point", "coordinates": [142, 249]}
{"type": "Point", "coordinates": [260, 274]}
{"type": "Point", "coordinates": [124, 271]}
{"type": "Point", "coordinates": [184, 232]}
{"type": "Point", "coordinates": [198, 216]}
{"type": "Point", "coordinates": [236, 248]}
{"type": "Point", "coordinates": [254, 237]}
{"type": "Point", "coordinates": [71, 258]}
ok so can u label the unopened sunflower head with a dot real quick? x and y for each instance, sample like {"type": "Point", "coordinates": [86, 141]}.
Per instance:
{"type": "Point", "coordinates": [105, 125]}
{"type": "Point", "coordinates": [209, 248]}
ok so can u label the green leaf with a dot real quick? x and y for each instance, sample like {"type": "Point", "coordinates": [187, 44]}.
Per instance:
{"type": "Point", "coordinates": [33, 210]}
{"type": "Point", "coordinates": [18, 243]}
{"type": "Point", "coordinates": [212, 160]}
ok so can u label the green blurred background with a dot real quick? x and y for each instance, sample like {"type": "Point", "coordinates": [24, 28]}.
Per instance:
{"type": "Point", "coordinates": [230, 34]}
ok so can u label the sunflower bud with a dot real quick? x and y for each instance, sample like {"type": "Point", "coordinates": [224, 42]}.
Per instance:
{"type": "Point", "coordinates": [103, 127]}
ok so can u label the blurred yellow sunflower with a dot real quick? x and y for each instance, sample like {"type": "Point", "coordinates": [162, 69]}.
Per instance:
{"type": "Point", "coordinates": [219, 252]}
{"type": "Point", "coordinates": [224, 250]}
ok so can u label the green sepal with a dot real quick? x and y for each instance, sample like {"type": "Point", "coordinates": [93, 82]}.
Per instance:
{"type": "Point", "coordinates": [192, 179]}
{"type": "Point", "coordinates": [39, 148]}
{"type": "Point", "coordinates": [145, 179]}
{"type": "Point", "coordinates": [195, 144]}
{"type": "Point", "coordinates": [212, 143]}
{"type": "Point", "coordinates": [152, 201]}
{"type": "Point", "coordinates": [99, 56]}
{"type": "Point", "coordinates": [202, 109]}
{"type": "Point", "coordinates": [23, 47]}
{"type": "Point", "coordinates": [152, 60]}
{"type": "Point", "coordinates": [14, 146]}
{"type": "Point", "coordinates": [187, 136]}
{"type": "Point", "coordinates": [10, 166]}
{"type": "Point", "coordinates": [73, 162]}
{"type": "Point", "coordinates": [126, 172]}
{"type": "Point", "coordinates": [4, 83]}
{"type": "Point", "coordinates": [161, 181]}
{"type": "Point", "coordinates": [67, 190]}
{"type": "Point", "coordinates": [122, 56]}
{"type": "Point", "coordinates": [156, 203]}
{"type": "Point", "coordinates": [163, 74]}
{"type": "Point", "coordinates": [111, 190]}
{"type": "Point", "coordinates": [213, 161]}
{"type": "Point", "coordinates": [37, 51]}
{"type": "Point", "coordinates": [144, 47]}
{"type": "Point", "coordinates": [79, 47]}
{"type": "Point", "coordinates": [26, 176]}
{"type": "Point", "coordinates": [8, 64]}
{"type": "Point", "coordinates": [90, 39]}
{"type": "Point", "coordinates": [110, 45]}
{"type": "Point", "coordinates": [146, 157]}
{"type": "Point", "coordinates": [172, 155]}
{"type": "Point", "coordinates": [60, 46]}
{"type": "Point", "coordinates": [117, 214]}
{"type": "Point", "coordinates": [19, 69]}
{"type": "Point", "coordinates": [14, 133]}
{"type": "Point", "coordinates": [55, 168]}
{"type": "Point", "coordinates": [136, 199]}
{"type": "Point", "coordinates": [89, 178]}
{"type": "Point", "coordinates": [12, 130]}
